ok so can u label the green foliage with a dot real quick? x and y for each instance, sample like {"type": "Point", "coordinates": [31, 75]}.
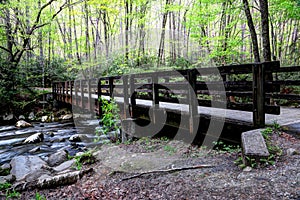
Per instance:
{"type": "Point", "coordinates": [223, 147]}
{"type": "Point", "coordinates": [38, 196]}
{"type": "Point", "coordinates": [4, 186]}
{"type": "Point", "coordinates": [110, 117]}
{"type": "Point", "coordinates": [85, 158]}
{"type": "Point", "coordinates": [12, 194]}
{"type": "Point", "coordinates": [170, 149]}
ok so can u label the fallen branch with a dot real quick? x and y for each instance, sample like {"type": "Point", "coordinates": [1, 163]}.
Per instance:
{"type": "Point", "coordinates": [167, 171]}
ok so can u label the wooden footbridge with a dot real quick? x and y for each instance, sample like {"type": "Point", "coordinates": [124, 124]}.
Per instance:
{"type": "Point", "coordinates": [239, 94]}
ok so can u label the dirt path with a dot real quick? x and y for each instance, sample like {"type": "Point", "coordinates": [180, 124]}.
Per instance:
{"type": "Point", "coordinates": [222, 181]}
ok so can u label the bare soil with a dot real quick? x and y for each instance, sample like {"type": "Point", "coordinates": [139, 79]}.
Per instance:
{"type": "Point", "coordinates": [224, 180]}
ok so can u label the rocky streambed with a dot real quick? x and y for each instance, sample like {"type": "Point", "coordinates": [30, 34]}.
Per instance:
{"type": "Point", "coordinates": [40, 154]}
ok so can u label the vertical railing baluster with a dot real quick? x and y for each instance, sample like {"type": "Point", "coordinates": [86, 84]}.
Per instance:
{"type": "Point", "coordinates": [258, 95]}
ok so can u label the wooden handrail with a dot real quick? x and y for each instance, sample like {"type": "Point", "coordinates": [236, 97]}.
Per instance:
{"type": "Point", "coordinates": [184, 83]}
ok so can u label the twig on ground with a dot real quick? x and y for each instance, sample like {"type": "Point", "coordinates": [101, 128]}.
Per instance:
{"type": "Point", "coordinates": [167, 171]}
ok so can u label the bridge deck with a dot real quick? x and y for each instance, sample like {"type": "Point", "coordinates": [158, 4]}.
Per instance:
{"type": "Point", "coordinates": [287, 115]}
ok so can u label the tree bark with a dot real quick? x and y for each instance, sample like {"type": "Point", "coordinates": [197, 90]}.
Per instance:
{"type": "Point", "coordinates": [252, 31]}
{"type": "Point", "coordinates": [264, 11]}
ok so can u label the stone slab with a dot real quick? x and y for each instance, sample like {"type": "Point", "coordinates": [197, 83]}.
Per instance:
{"type": "Point", "coordinates": [254, 144]}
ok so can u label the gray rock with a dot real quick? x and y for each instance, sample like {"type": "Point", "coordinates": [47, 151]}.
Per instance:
{"type": "Point", "coordinates": [254, 146]}
{"type": "Point", "coordinates": [65, 165]}
{"type": "Point", "coordinates": [4, 169]}
{"type": "Point", "coordinates": [61, 179]}
{"type": "Point", "coordinates": [78, 138]}
{"type": "Point", "coordinates": [21, 117]}
{"type": "Point", "coordinates": [75, 138]}
{"type": "Point", "coordinates": [23, 124]}
{"type": "Point", "coordinates": [247, 169]}
{"type": "Point", "coordinates": [35, 138]}
{"type": "Point", "coordinates": [291, 152]}
{"type": "Point", "coordinates": [66, 117]}
{"type": "Point", "coordinates": [36, 149]}
{"type": "Point", "coordinates": [31, 116]}
{"type": "Point", "coordinates": [44, 118]}
{"type": "Point", "coordinates": [51, 134]}
{"type": "Point", "coordinates": [9, 178]}
{"type": "Point", "coordinates": [57, 158]}
{"type": "Point", "coordinates": [25, 166]}
{"type": "Point", "coordinates": [8, 117]}
{"type": "Point", "coordinates": [6, 166]}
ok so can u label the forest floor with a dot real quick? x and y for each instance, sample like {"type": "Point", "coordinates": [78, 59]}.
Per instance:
{"type": "Point", "coordinates": [113, 174]}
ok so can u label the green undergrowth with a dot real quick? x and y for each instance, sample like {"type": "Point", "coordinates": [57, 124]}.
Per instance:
{"type": "Point", "coordinates": [86, 158]}
{"type": "Point", "coordinates": [110, 120]}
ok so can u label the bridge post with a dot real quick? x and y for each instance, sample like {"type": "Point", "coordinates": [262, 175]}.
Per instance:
{"type": "Point", "coordinates": [258, 71]}
{"type": "Point", "coordinates": [82, 94]}
{"type": "Point", "coordinates": [99, 98]}
{"type": "Point", "coordinates": [71, 91]}
{"type": "Point", "coordinates": [111, 87]}
{"type": "Point", "coordinates": [193, 102]}
{"type": "Point", "coordinates": [126, 100]}
{"type": "Point", "coordinates": [132, 92]}
{"type": "Point", "coordinates": [90, 105]}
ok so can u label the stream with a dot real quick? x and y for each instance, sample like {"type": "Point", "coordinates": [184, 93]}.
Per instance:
{"type": "Point", "coordinates": [56, 137]}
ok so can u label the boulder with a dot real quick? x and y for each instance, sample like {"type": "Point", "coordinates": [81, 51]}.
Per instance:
{"type": "Point", "coordinates": [9, 178]}
{"type": "Point", "coordinates": [35, 138]}
{"type": "Point", "coordinates": [31, 116]}
{"type": "Point", "coordinates": [21, 117]}
{"type": "Point", "coordinates": [66, 117]}
{"type": "Point", "coordinates": [62, 179]}
{"type": "Point", "coordinates": [51, 134]}
{"type": "Point", "coordinates": [8, 117]}
{"type": "Point", "coordinates": [75, 138]}
{"type": "Point", "coordinates": [26, 166]}
{"type": "Point", "coordinates": [23, 124]}
{"type": "Point", "coordinates": [44, 118]}
{"type": "Point", "coordinates": [4, 169]}
{"type": "Point", "coordinates": [78, 138]}
{"type": "Point", "coordinates": [57, 158]}
{"type": "Point", "coordinates": [65, 165]}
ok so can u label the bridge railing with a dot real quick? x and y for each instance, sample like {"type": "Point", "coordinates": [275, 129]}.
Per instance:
{"type": "Point", "coordinates": [236, 87]}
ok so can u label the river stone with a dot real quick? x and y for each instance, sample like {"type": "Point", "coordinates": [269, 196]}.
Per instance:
{"type": "Point", "coordinates": [78, 138]}
{"type": "Point", "coordinates": [44, 118]}
{"type": "Point", "coordinates": [31, 116]}
{"type": "Point", "coordinates": [24, 166]}
{"type": "Point", "coordinates": [9, 178]}
{"type": "Point", "coordinates": [4, 169]}
{"type": "Point", "coordinates": [57, 158]}
{"type": "Point", "coordinates": [50, 133]}
{"type": "Point", "coordinates": [65, 165]}
{"type": "Point", "coordinates": [35, 138]}
{"type": "Point", "coordinates": [21, 117]}
{"type": "Point", "coordinates": [291, 152]}
{"type": "Point", "coordinates": [8, 117]}
{"type": "Point", "coordinates": [23, 124]}
{"type": "Point", "coordinates": [75, 138]}
{"type": "Point", "coordinates": [66, 117]}
{"type": "Point", "coordinates": [36, 149]}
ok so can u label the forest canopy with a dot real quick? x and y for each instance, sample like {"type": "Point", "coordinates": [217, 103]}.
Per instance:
{"type": "Point", "coordinates": [49, 40]}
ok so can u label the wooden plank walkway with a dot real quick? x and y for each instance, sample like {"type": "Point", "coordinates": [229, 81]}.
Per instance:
{"type": "Point", "coordinates": [287, 115]}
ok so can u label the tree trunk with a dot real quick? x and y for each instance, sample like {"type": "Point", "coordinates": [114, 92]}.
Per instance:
{"type": "Point", "coordinates": [252, 31]}
{"type": "Point", "coordinates": [163, 33]}
{"type": "Point", "coordinates": [264, 11]}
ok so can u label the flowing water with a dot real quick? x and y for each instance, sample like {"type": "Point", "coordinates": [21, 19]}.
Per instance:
{"type": "Point", "coordinates": [56, 137]}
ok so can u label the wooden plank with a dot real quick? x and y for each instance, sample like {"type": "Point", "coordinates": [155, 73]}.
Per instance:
{"type": "Point", "coordinates": [288, 69]}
